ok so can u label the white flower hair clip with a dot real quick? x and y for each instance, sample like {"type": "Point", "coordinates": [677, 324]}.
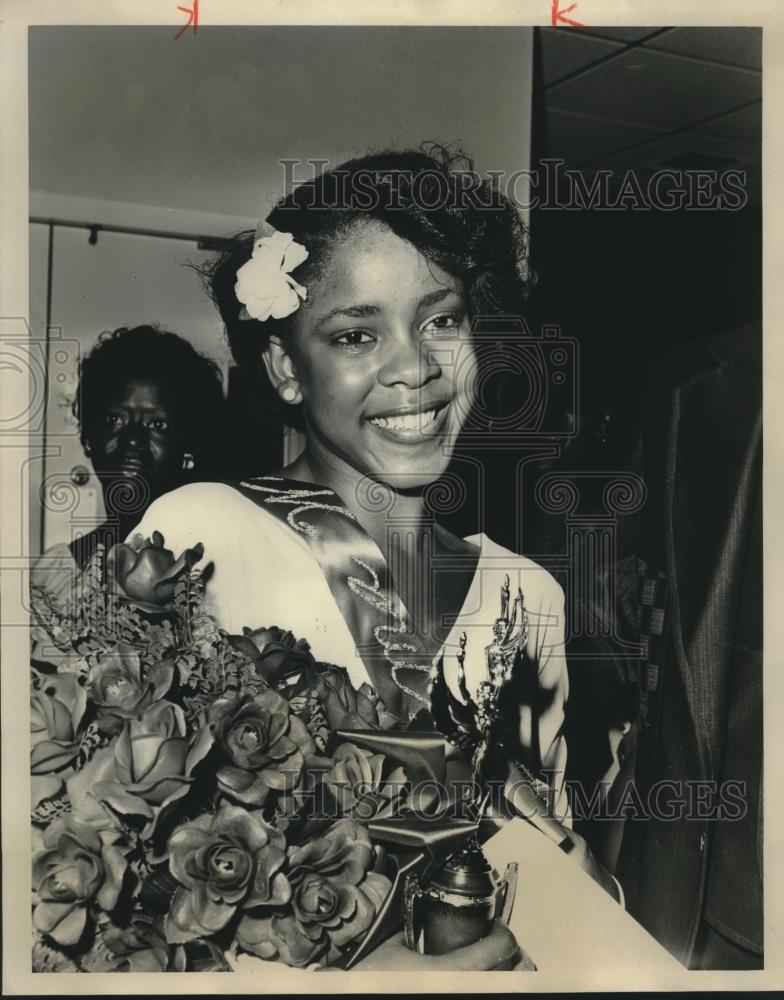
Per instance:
{"type": "Point", "coordinates": [264, 284]}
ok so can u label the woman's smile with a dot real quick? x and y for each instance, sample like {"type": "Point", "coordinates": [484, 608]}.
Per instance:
{"type": "Point", "coordinates": [412, 426]}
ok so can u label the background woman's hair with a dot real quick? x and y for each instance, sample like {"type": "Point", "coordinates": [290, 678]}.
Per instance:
{"type": "Point", "coordinates": [431, 198]}
{"type": "Point", "coordinates": [192, 382]}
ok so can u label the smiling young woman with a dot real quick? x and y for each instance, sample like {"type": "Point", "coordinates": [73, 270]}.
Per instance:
{"type": "Point", "coordinates": [362, 357]}
{"type": "Point", "coordinates": [356, 310]}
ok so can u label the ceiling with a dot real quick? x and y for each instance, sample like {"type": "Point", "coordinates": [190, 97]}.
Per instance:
{"type": "Point", "coordinates": [646, 98]}
{"type": "Point", "coordinates": [126, 114]}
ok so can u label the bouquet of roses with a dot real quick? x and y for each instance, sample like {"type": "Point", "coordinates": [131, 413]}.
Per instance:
{"type": "Point", "coordinates": [196, 795]}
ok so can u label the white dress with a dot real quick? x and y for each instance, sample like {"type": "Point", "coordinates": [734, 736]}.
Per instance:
{"type": "Point", "coordinates": [265, 574]}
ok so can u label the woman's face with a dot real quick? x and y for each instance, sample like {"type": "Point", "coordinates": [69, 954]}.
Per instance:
{"type": "Point", "coordinates": [135, 433]}
{"type": "Point", "coordinates": [382, 356]}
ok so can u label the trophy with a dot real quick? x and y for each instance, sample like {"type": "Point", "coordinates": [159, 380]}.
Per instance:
{"type": "Point", "coordinates": [457, 904]}
{"type": "Point", "coordinates": [476, 723]}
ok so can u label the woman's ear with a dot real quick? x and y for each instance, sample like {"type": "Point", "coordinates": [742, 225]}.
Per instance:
{"type": "Point", "coordinates": [281, 371]}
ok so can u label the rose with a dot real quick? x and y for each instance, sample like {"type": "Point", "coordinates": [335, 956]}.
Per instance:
{"type": "Point", "coordinates": [276, 654]}
{"type": "Point", "coordinates": [55, 713]}
{"type": "Point", "coordinates": [264, 744]}
{"type": "Point", "coordinates": [153, 761]}
{"type": "Point", "coordinates": [116, 685]}
{"type": "Point", "coordinates": [115, 682]}
{"type": "Point", "coordinates": [146, 573]}
{"type": "Point", "coordinates": [81, 784]}
{"type": "Point", "coordinates": [344, 706]}
{"type": "Point", "coordinates": [77, 867]}
{"type": "Point", "coordinates": [335, 898]}
{"type": "Point", "coordinates": [151, 752]}
{"type": "Point", "coordinates": [357, 785]}
{"type": "Point", "coordinates": [386, 720]}
{"type": "Point", "coordinates": [347, 707]}
{"type": "Point", "coordinates": [225, 864]}
{"type": "Point", "coordinates": [141, 946]}
{"type": "Point", "coordinates": [264, 285]}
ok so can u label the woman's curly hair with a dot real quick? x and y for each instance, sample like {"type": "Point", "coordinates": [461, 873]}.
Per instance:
{"type": "Point", "coordinates": [432, 198]}
{"type": "Point", "coordinates": [192, 381]}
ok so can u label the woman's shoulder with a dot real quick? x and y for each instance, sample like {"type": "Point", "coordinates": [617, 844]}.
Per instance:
{"type": "Point", "coordinates": [197, 496]}
{"type": "Point", "coordinates": [535, 577]}
{"type": "Point", "coordinates": [198, 499]}
{"type": "Point", "coordinates": [198, 512]}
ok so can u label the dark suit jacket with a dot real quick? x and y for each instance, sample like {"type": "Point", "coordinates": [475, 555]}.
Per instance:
{"type": "Point", "coordinates": [702, 684]}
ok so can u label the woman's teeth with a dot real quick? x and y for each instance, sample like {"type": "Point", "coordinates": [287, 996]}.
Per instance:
{"type": "Point", "coordinates": [406, 422]}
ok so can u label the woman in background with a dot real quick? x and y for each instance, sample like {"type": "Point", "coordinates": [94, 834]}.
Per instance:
{"type": "Point", "coordinates": [150, 413]}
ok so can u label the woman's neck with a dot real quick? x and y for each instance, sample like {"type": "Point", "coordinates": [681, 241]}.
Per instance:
{"type": "Point", "coordinates": [409, 539]}
{"type": "Point", "coordinates": [373, 503]}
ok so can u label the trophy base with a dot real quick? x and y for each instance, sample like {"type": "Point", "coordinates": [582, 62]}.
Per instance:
{"type": "Point", "coordinates": [445, 927]}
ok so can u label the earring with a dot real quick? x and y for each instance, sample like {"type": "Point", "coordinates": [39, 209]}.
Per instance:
{"type": "Point", "coordinates": [87, 449]}
{"type": "Point", "coordinates": [288, 394]}
{"type": "Point", "coordinates": [188, 461]}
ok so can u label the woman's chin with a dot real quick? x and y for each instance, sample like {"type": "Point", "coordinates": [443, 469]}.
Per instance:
{"type": "Point", "coordinates": [416, 468]}
{"type": "Point", "coordinates": [409, 479]}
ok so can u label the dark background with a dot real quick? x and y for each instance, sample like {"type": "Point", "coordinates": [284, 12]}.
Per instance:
{"type": "Point", "coordinates": [629, 287]}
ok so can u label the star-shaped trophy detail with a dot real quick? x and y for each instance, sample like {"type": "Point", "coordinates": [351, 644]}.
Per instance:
{"type": "Point", "coordinates": [475, 723]}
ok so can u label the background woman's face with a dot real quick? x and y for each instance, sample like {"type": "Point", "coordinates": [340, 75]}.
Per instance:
{"type": "Point", "coordinates": [383, 356]}
{"type": "Point", "coordinates": [135, 432]}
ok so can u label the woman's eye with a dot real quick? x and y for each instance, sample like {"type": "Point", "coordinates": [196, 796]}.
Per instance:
{"type": "Point", "coordinates": [353, 339]}
{"type": "Point", "coordinates": [442, 323]}
{"type": "Point", "coordinates": [113, 419]}
{"type": "Point", "coordinates": [158, 424]}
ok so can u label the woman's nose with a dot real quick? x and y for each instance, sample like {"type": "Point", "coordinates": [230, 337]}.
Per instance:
{"type": "Point", "coordinates": [134, 434]}
{"type": "Point", "coordinates": [412, 362]}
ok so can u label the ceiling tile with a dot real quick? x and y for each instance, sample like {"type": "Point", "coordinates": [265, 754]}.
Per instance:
{"type": "Point", "coordinates": [734, 46]}
{"type": "Point", "coordinates": [564, 52]}
{"type": "Point", "coordinates": [681, 147]}
{"type": "Point", "coordinates": [579, 138]}
{"type": "Point", "coordinates": [740, 126]}
{"type": "Point", "coordinates": [656, 88]}
{"type": "Point", "coordinates": [621, 34]}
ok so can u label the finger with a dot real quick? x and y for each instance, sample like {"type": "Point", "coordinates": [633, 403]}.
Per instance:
{"type": "Point", "coordinates": [531, 806]}
{"type": "Point", "coordinates": [582, 855]}
{"type": "Point", "coordinates": [496, 951]}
